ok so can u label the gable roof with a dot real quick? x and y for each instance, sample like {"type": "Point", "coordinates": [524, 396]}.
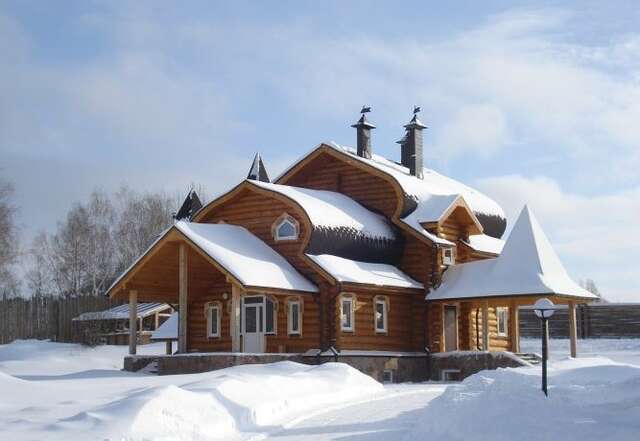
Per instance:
{"type": "Point", "coordinates": [329, 209]}
{"type": "Point", "coordinates": [527, 265]}
{"type": "Point", "coordinates": [351, 271]}
{"type": "Point", "coordinates": [121, 312]}
{"type": "Point", "coordinates": [251, 261]}
{"type": "Point", "coordinates": [240, 254]}
{"type": "Point", "coordinates": [433, 190]}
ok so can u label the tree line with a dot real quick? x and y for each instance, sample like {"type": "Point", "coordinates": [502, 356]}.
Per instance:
{"type": "Point", "coordinates": [97, 240]}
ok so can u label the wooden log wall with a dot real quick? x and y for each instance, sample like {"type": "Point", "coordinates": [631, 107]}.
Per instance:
{"type": "Point", "coordinates": [257, 212]}
{"type": "Point", "coordinates": [326, 172]}
{"type": "Point", "coordinates": [594, 321]}
{"type": "Point", "coordinates": [206, 284]}
{"type": "Point", "coordinates": [400, 323]}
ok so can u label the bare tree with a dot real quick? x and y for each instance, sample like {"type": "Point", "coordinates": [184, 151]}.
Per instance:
{"type": "Point", "coordinates": [39, 277]}
{"type": "Point", "coordinates": [9, 245]}
{"type": "Point", "coordinates": [590, 286]}
{"type": "Point", "coordinates": [142, 217]}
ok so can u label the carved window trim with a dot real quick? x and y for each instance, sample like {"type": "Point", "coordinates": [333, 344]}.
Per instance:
{"type": "Point", "coordinates": [291, 303]}
{"type": "Point", "coordinates": [384, 301]}
{"type": "Point", "coordinates": [285, 218]}
{"type": "Point", "coordinates": [351, 299]}
{"type": "Point", "coordinates": [209, 307]}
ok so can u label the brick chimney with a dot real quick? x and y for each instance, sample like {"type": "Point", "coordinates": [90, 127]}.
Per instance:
{"type": "Point", "coordinates": [411, 145]}
{"type": "Point", "coordinates": [363, 128]}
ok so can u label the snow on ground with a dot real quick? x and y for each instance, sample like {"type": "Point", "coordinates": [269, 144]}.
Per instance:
{"type": "Point", "coordinates": [622, 350]}
{"type": "Point", "coordinates": [66, 392]}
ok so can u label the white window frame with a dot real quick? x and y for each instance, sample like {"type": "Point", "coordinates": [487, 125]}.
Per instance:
{"type": "Point", "coordinates": [448, 260]}
{"type": "Point", "coordinates": [505, 321]}
{"type": "Point", "coordinates": [286, 218]}
{"type": "Point", "coordinates": [210, 308]}
{"type": "Point", "coordinates": [275, 315]}
{"type": "Point", "coordinates": [290, 306]}
{"type": "Point", "coordinates": [351, 300]}
{"type": "Point", "coordinates": [385, 315]}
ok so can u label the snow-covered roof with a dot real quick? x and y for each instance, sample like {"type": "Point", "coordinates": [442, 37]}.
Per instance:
{"type": "Point", "coordinates": [351, 271]}
{"type": "Point", "coordinates": [527, 265]}
{"type": "Point", "coordinates": [432, 195]}
{"type": "Point", "coordinates": [251, 261]}
{"type": "Point", "coordinates": [334, 210]}
{"type": "Point", "coordinates": [121, 312]}
{"type": "Point", "coordinates": [168, 330]}
{"type": "Point", "coordinates": [247, 258]}
{"type": "Point", "coordinates": [485, 244]}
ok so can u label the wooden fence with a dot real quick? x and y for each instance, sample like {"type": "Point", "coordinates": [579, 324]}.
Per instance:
{"type": "Point", "coordinates": [608, 320]}
{"type": "Point", "coordinates": [46, 317]}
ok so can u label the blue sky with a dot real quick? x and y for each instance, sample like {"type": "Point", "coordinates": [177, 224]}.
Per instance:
{"type": "Point", "coordinates": [529, 102]}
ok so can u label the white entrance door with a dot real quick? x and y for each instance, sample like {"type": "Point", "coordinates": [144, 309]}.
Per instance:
{"type": "Point", "coordinates": [253, 324]}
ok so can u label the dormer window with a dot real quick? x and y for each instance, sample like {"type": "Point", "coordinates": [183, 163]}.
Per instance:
{"type": "Point", "coordinates": [286, 228]}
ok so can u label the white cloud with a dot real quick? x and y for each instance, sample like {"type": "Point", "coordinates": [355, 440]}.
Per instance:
{"type": "Point", "coordinates": [595, 236]}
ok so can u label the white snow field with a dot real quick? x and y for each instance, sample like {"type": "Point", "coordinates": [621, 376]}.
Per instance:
{"type": "Point", "coordinates": [59, 391]}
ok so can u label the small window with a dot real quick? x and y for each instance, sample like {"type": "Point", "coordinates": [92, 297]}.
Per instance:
{"type": "Point", "coordinates": [451, 375]}
{"type": "Point", "coordinates": [271, 320]}
{"type": "Point", "coordinates": [502, 314]}
{"type": "Point", "coordinates": [448, 256]}
{"type": "Point", "coordinates": [346, 313]}
{"type": "Point", "coordinates": [295, 317]}
{"type": "Point", "coordinates": [380, 312]}
{"type": "Point", "coordinates": [213, 321]}
{"type": "Point", "coordinates": [387, 376]}
{"type": "Point", "coordinates": [285, 228]}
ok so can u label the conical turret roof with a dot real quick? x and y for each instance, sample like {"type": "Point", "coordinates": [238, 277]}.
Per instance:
{"type": "Point", "coordinates": [528, 265]}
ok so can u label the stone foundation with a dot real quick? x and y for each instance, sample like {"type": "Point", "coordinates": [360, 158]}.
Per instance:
{"type": "Point", "coordinates": [402, 367]}
{"type": "Point", "coordinates": [461, 364]}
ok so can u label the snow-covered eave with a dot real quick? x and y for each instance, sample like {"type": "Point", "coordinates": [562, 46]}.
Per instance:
{"type": "Point", "coordinates": [105, 315]}
{"type": "Point", "coordinates": [376, 276]}
{"type": "Point", "coordinates": [432, 297]}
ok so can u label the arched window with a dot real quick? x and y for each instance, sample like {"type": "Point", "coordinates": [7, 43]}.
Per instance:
{"type": "Point", "coordinates": [285, 228]}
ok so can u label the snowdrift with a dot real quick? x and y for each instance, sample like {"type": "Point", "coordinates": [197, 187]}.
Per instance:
{"type": "Point", "coordinates": [589, 399]}
{"type": "Point", "coordinates": [237, 399]}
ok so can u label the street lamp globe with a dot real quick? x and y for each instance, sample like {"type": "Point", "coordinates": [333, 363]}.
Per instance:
{"type": "Point", "coordinates": [544, 308]}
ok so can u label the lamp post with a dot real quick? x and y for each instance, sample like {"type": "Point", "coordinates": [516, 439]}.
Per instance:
{"type": "Point", "coordinates": [544, 309]}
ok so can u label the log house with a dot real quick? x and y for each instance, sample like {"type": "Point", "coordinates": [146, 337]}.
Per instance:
{"type": "Point", "coordinates": [349, 251]}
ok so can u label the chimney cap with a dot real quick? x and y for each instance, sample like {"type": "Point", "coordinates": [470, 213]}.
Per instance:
{"type": "Point", "coordinates": [363, 122]}
{"type": "Point", "coordinates": [415, 123]}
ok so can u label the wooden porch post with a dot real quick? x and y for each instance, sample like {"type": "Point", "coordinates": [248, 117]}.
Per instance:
{"type": "Point", "coordinates": [514, 320]}
{"type": "Point", "coordinates": [573, 331]}
{"type": "Point", "coordinates": [182, 300]}
{"type": "Point", "coordinates": [235, 318]}
{"type": "Point", "coordinates": [485, 325]}
{"type": "Point", "coordinates": [133, 322]}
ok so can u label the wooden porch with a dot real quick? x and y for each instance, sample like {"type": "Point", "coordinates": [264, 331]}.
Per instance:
{"type": "Point", "coordinates": [488, 324]}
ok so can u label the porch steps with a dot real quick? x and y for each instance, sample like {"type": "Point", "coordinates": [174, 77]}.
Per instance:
{"type": "Point", "coordinates": [531, 358]}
